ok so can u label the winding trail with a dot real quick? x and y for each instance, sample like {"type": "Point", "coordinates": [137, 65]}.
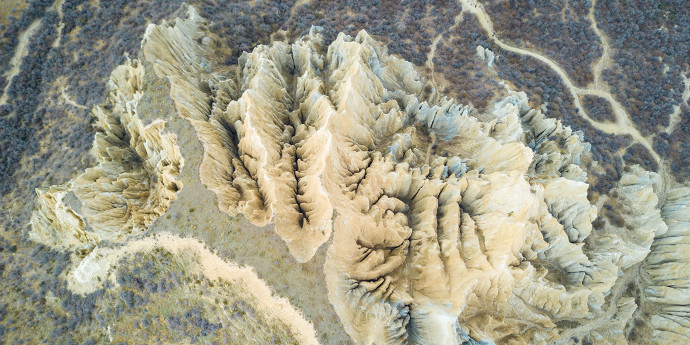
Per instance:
{"type": "Point", "coordinates": [22, 47]}
{"type": "Point", "coordinates": [623, 124]}
{"type": "Point", "coordinates": [57, 6]}
{"type": "Point", "coordinates": [19, 52]}
{"type": "Point", "coordinates": [432, 51]}
{"type": "Point", "coordinates": [605, 59]}
{"type": "Point", "coordinates": [430, 56]}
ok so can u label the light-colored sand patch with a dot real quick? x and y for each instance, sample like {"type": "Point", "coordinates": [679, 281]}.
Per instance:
{"type": "Point", "coordinates": [57, 6]}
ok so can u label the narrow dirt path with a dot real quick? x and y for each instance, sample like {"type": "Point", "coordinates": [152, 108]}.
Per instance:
{"type": "Point", "coordinates": [432, 51]}
{"type": "Point", "coordinates": [67, 99]}
{"type": "Point", "coordinates": [430, 56]}
{"type": "Point", "coordinates": [623, 124]}
{"type": "Point", "coordinates": [57, 6]}
{"type": "Point", "coordinates": [605, 59]}
{"type": "Point", "coordinates": [19, 52]}
{"type": "Point", "coordinates": [21, 49]}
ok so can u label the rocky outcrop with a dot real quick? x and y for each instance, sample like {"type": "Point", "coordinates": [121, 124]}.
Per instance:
{"type": "Point", "coordinates": [132, 184]}
{"type": "Point", "coordinates": [265, 138]}
{"type": "Point", "coordinates": [449, 224]}
{"type": "Point", "coordinates": [667, 267]}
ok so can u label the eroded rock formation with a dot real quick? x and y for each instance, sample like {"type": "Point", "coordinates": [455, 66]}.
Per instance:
{"type": "Point", "coordinates": [667, 267]}
{"type": "Point", "coordinates": [449, 225]}
{"type": "Point", "coordinates": [132, 184]}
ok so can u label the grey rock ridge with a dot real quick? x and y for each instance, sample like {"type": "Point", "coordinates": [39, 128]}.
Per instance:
{"type": "Point", "coordinates": [443, 224]}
